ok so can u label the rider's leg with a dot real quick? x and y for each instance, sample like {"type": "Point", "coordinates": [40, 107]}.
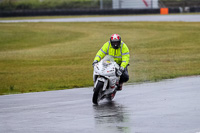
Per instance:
{"type": "Point", "coordinates": [123, 78]}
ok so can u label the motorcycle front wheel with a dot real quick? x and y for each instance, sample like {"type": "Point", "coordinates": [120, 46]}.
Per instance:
{"type": "Point", "coordinates": [97, 92]}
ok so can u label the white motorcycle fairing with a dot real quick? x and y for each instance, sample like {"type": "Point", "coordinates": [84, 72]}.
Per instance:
{"type": "Point", "coordinates": [105, 74]}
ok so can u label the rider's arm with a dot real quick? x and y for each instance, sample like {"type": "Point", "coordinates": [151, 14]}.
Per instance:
{"type": "Point", "coordinates": [102, 52]}
{"type": "Point", "coordinates": [125, 56]}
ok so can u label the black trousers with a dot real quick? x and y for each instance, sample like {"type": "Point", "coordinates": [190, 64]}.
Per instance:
{"type": "Point", "coordinates": [124, 77]}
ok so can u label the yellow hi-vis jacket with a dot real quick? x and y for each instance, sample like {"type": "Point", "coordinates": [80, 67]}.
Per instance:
{"type": "Point", "coordinates": [120, 55]}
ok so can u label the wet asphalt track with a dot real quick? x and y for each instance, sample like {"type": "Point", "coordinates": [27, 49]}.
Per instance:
{"type": "Point", "coordinates": [148, 18]}
{"type": "Point", "coordinates": [169, 106]}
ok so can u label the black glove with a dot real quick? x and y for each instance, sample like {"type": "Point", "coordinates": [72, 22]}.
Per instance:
{"type": "Point", "coordinates": [120, 71]}
{"type": "Point", "coordinates": [95, 62]}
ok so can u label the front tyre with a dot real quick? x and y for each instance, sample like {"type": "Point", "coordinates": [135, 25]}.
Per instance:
{"type": "Point", "coordinates": [97, 92]}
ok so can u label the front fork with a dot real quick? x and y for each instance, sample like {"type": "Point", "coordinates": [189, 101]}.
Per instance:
{"type": "Point", "coordinates": [101, 79]}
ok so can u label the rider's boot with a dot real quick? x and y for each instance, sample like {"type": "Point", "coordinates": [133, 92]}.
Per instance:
{"type": "Point", "coordinates": [119, 88]}
{"type": "Point", "coordinates": [113, 94]}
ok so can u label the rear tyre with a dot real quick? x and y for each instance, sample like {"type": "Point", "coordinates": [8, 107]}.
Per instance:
{"type": "Point", "coordinates": [97, 93]}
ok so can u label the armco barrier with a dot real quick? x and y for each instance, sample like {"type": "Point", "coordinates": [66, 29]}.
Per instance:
{"type": "Point", "coordinates": [88, 12]}
{"type": "Point", "coordinates": [194, 9]}
{"type": "Point", "coordinates": [174, 10]}
{"type": "Point", "coordinates": [77, 12]}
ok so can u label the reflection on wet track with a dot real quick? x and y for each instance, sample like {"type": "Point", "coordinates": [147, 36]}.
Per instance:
{"type": "Point", "coordinates": [111, 117]}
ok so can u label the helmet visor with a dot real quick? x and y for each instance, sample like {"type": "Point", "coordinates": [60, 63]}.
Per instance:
{"type": "Point", "coordinates": [115, 44]}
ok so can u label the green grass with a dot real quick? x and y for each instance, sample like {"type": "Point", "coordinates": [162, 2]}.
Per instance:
{"type": "Point", "coordinates": [53, 56]}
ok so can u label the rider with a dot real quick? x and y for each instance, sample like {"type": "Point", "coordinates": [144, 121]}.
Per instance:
{"type": "Point", "coordinates": [120, 52]}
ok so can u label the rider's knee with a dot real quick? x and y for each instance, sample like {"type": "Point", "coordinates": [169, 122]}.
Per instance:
{"type": "Point", "coordinates": [126, 78]}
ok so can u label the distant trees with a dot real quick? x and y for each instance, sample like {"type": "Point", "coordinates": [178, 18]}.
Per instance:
{"type": "Point", "coordinates": [81, 4]}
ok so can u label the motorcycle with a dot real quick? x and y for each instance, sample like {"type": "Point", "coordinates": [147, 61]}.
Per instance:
{"type": "Point", "coordinates": [105, 79]}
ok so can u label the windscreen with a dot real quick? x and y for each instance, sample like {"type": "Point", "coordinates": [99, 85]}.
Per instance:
{"type": "Point", "coordinates": [107, 60]}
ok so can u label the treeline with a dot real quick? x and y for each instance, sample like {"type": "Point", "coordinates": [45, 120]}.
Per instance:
{"type": "Point", "coordinates": [51, 4]}
{"type": "Point", "coordinates": [9, 5]}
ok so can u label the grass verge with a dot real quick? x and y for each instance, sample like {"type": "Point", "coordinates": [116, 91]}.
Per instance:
{"type": "Point", "coordinates": [52, 56]}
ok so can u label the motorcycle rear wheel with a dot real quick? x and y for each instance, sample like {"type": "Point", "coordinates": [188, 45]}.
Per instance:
{"type": "Point", "coordinates": [97, 92]}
